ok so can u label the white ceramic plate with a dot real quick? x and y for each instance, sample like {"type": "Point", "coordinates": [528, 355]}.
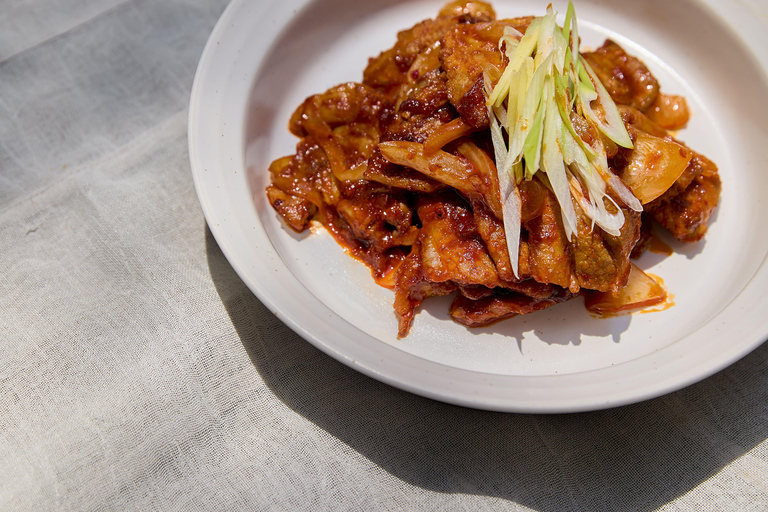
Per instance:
{"type": "Point", "coordinates": [264, 57]}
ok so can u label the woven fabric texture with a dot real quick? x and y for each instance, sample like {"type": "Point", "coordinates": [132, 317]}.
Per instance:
{"type": "Point", "coordinates": [137, 372]}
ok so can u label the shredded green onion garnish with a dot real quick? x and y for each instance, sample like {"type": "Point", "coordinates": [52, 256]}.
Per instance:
{"type": "Point", "coordinates": [545, 82]}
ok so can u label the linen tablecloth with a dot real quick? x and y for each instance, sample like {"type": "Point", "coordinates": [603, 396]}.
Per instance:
{"type": "Point", "coordinates": [137, 372]}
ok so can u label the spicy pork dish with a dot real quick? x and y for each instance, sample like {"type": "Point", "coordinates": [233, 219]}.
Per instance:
{"type": "Point", "coordinates": [494, 160]}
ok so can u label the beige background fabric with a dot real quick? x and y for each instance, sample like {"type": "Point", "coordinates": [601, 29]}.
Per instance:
{"type": "Point", "coordinates": [137, 372]}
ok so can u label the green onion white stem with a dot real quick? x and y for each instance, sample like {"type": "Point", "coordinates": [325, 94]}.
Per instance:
{"type": "Point", "coordinates": [544, 82]}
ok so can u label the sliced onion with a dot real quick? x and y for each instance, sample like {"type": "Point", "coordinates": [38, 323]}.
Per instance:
{"type": "Point", "coordinates": [641, 291]}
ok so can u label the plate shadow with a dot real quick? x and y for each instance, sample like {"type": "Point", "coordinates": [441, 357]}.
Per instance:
{"type": "Point", "coordinates": [631, 458]}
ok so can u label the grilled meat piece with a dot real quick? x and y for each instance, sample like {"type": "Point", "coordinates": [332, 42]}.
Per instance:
{"type": "Point", "coordinates": [685, 209]}
{"type": "Point", "coordinates": [467, 51]}
{"type": "Point", "coordinates": [627, 79]}
{"type": "Point", "coordinates": [488, 310]}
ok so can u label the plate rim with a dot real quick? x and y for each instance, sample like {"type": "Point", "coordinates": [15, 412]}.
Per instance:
{"type": "Point", "coordinates": [469, 399]}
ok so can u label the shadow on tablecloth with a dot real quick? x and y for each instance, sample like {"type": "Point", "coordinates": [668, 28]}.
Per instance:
{"type": "Point", "coordinates": [636, 457]}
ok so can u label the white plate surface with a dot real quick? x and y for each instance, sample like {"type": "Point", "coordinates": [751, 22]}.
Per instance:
{"type": "Point", "coordinates": [264, 58]}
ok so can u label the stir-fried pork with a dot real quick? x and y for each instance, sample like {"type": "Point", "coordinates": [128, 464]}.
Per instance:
{"type": "Point", "coordinates": [467, 51]}
{"type": "Point", "coordinates": [400, 169]}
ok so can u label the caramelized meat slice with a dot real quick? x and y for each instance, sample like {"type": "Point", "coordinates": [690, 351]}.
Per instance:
{"type": "Point", "coordinates": [426, 63]}
{"type": "Point", "coordinates": [306, 174]}
{"type": "Point", "coordinates": [452, 249]}
{"type": "Point", "coordinates": [376, 216]}
{"type": "Point", "coordinates": [448, 255]}
{"type": "Point", "coordinates": [620, 247]}
{"type": "Point", "coordinates": [346, 121]}
{"type": "Point", "coordinates": [427, 96]}
{"type": "Point", "coordinates": [466, 52]}
{"type": "Point", "coordinates": [601, 261]}
{"type": "Point", "coordinates": [383, 72]}
{"type": "Point", "coordinates": [549, 253]}
{"type": "Point", "coordinates": [646, 236]}
{"type": "Point", "coordinates": [488, 310]}
{"type": "Point", "coordinates": [344, 104]}
{"type": "Point", "coordinates": [475, 292]}
{"type": "Point", "coordinates": [592, 259]}
{"type": "Point", "coordinates": [294, 210]}
{"type": "Point", "coordinates": [529, 288]}
{"type": "Point", "coordinates": [685, 209]}
{"type": "Point", "coordinates": [627, 79]}
{"type": "Point", "coordinates": [382, 263]}
{"type": "Point", "coordinates": [491, 230]}
{"type": "Point", "coordinates": [410, 128]}
{"type": "Point", "coordinates": [541, 285]}
{"type": "Point", "coordinates": [417, 127]}
{"type": "Point", "coordinates": [388, 71]}
{"type": "Point", "coordinates": [593, 265]}
{"type": "Point", "coordinates": [412, 287]}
